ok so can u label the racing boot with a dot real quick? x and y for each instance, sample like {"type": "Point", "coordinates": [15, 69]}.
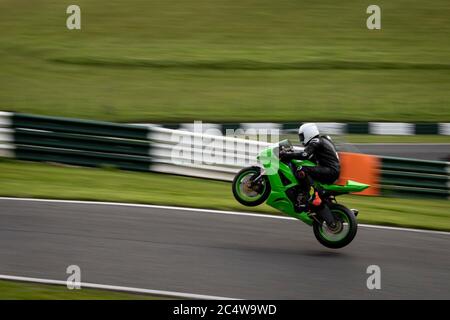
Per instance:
{"type": "Point", "coordinates": [305, 200]}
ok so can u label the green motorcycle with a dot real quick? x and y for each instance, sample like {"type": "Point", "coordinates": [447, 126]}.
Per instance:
{"type": "Point", "coordinates": [274, 181]}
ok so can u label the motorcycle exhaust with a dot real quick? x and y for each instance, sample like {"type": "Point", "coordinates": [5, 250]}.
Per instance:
{"type": "Point", "coordinates": [355, 211]}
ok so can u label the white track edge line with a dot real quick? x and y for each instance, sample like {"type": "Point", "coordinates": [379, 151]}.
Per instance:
{"type": "Point", "coordinates": [238, 213]}
{"type": "Point", "coordinates": [118, 288]}
{"type": "Point", "coordinates": [140, 205]}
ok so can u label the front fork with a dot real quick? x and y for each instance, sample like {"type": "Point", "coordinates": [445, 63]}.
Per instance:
{"type": "Point", "coordinates": [253, 182]}
{"type": "Point", "coordinates": [261, 173]}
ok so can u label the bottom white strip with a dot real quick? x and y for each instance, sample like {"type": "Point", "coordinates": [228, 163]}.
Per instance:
{"type": "Point", "coordinates": [118, 288]}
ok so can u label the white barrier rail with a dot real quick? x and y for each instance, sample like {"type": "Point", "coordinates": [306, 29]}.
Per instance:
{"type": "Point", "coordinates": [6, 135]}
{"type": "Point", "coordinates": [201, 155]}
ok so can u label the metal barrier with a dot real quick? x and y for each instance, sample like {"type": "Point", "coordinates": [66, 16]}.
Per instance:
{"type": "Point", "coordinates": [334, 128]}
{"type": "Point", "coordinates": [415, 177]}
{"type": "Point", "coordinates": [158, 149]}
{"type": "Point", "coordinates": [77, 142]}
{"type": "Point", "coordinates": [6, 135]}
{"type": "Point", "coordinates": [200, 155]}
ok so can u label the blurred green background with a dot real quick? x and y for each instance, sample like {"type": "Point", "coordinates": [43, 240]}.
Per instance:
{"type": "Point", "coordinates": [227, 60]}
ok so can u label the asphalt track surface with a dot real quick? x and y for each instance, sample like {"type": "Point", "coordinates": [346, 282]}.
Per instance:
{"type": "Point", "coordinates": [426, 151]}
{"type": "Point", "coordinates": [210, 253]}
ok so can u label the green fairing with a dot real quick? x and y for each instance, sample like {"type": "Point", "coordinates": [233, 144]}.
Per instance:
{"type": "Point", "coordinates": [350, 186]}
{"type": "Point", "coordinates": [278, 198]}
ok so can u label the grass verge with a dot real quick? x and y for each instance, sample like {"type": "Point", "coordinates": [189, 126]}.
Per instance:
{"type": "Point", "coordinates": [233, 60]}
{"type": "Point", "coordinates": [39, 180]}
{"type": "Point", "coordinates": [15, 290]}
{"type": "Point", "coordinates": [419, 138]}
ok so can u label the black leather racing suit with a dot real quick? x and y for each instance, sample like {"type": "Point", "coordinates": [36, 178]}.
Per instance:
{"type": "Point", "coordinates": [321, 151]}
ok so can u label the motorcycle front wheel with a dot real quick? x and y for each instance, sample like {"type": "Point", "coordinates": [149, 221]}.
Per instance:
{"type": "Point", "coordinates": [342, 234]}
{"type": "Point", "coordinates": [248, 193]}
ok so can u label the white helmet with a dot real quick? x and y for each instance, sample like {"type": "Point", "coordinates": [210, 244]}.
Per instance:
{"type": "Point", "coordinates": [306, 132]}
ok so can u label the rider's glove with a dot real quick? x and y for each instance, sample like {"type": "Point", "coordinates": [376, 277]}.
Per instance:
{"type": "Point", "coordinates": [282, 153]}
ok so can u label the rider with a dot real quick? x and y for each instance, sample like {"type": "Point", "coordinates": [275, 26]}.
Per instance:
{"type": "Point", "coordinates": [322, 151]}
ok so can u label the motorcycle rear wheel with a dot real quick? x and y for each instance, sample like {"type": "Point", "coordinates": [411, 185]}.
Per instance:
{"type": "Point", "coordinates": [343, 234]}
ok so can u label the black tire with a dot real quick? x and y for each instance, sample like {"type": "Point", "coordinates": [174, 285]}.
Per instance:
{"type": "Point", "coordinates": [261, 197]}
{"type": "Point", "coordinates": [340, 212]}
